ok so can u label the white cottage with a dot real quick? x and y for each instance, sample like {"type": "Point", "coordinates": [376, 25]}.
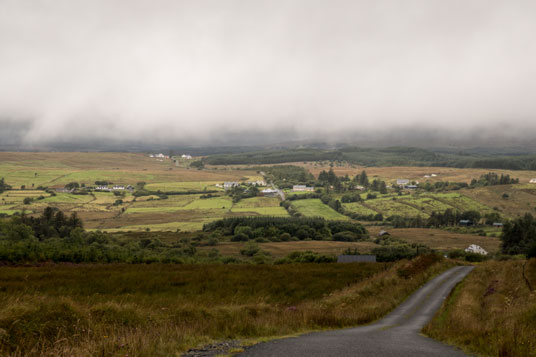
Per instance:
{"type": "Point", "coordinates": [473, 248]}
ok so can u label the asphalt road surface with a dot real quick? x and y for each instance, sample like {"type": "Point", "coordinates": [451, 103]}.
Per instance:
{"type": "Point", "coordinates": [397, 334]}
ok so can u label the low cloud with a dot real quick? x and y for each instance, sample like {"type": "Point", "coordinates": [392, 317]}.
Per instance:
{"type": "Point", "coordinates": [192, 70]}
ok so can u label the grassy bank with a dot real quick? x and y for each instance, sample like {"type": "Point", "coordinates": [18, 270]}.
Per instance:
{"type": "Point", "coordinates": [492, 312]}
{"type": "Point", "coordinates": [162, 310]}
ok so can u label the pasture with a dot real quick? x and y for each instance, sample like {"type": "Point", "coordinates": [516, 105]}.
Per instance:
{"type": "Point", "coordinates": [315, 208]}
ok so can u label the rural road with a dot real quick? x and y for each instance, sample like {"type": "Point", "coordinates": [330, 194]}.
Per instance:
{"type": "Point", "coordinates": [397, 334]}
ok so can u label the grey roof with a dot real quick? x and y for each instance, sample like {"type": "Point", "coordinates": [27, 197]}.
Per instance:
{"type": "Point", "coordinates": [356, 258]}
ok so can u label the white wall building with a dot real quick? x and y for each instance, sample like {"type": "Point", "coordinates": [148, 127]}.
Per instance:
{"type": "Point", "coordinates": [473, 248]}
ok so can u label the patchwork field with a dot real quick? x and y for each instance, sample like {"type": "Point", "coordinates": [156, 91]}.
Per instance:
{"type": "Point", "coordinates": [99, 210]}
{"type": "Point", "coordinates": [391, 207]}
{"type": "Point", "coordinates": [185, 212]}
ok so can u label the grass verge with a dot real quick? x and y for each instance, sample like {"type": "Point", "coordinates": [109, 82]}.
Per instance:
{"type": "Point", "coordinates": [492, 312]}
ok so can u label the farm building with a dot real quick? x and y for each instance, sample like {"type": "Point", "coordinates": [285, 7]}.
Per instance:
{"type": "Point", "coordinates": [412, 187]}
{"type": "Point", "coordinates": [356, 258]}
{"type": "Point", "coordinates": [465, 222]}
{"type": "Point", "coordinates": [118, 187]}
{"type": "Point", "coordinates": [229, 185]}
{"type": "Point", "coordinates": [402, 182]}
{"type": "Point", "coordinates": [498, 224]}
{"type": "Point", "coordinates": [532, 180]}
{"type": "Point", "coordinates": [269, 192]}
{"type": "Point", "coordinates": [383, 233]}
{"type": "Point", "coordinates": [186, 156]}
{"type": "Point", "coordinates": [302, 188]}
{"type": "Point", "coordinates": [473, 248]}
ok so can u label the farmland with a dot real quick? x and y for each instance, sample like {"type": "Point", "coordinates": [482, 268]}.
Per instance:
{"type": "Point", "coordinates": [315, 208]}
{"type": "Point", "coordinates": [186, 210]}
{"type": "Point", "coordinates": [97, 209]}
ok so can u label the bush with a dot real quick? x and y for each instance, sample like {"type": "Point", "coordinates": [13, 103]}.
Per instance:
{"type": "Point", "coordinates": [250, 249]}
{"type": "Point", "coordinates": [345, 237]}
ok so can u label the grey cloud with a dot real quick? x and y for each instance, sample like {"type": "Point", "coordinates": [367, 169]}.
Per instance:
{"type": "Point", "coordinates": [192, 69]}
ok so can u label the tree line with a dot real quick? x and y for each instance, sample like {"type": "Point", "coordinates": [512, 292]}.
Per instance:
{"type": "Point", "coordinates": [286, 228]}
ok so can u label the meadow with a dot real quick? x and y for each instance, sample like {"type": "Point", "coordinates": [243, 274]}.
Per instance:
{"type": "Point", "coordinates": [162, 310]}
{"type": "Point", "coordinates": [315, 208]}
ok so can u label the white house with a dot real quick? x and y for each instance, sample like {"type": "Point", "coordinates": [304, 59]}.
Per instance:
{"type": "Point", "coordinates": [118, 187]}
{"type": "Point", "coordinates": [186, 156]}
{"type": "Point", "coordinates": [473, 248]}
{"type": "Point", "coordinates": [229, 185]}
{"type": "Point", "coordinates": [102, 188]}
{"type": "Point", "coordinates": [302, 188]}
{"type": "Point", "coordinates": [532, 180]}
{"type": "Point", "coordinates": [269, 192]}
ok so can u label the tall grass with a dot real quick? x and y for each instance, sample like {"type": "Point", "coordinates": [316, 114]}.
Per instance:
{"type": "Point", "coordinates": [162, 310]}
{"type": "Point", "coordinates": [492, 312]}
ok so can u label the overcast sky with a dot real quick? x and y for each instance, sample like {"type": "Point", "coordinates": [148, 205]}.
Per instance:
{"type": "Point", "coordinates": [189, 69]}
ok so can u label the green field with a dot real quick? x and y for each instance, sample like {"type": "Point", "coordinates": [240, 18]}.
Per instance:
{"type": "Point", "coordinates": [392, 207]}
{"type": "Point", "coordinates": [315, 208]}
{"type": "Point", "coordinates": [185, 186]}
{"type": "Point", "coordinates": [427, 204]}
{"type": "Point", "coordinates": [462, 203]}
{"type": "Point", "coordinates": [359, 208]}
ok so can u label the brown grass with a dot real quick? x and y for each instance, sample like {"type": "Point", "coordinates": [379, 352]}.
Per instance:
{"type": "Point", "coordinates": [157, 310]}
{"type": "Point", "coordinates": [282, 249]}
{"type": "Point", "coordinates": [491, 313]}
{"type": "Point", "coordinates": [414, 173]}
{"type": "Point", "coordinates": [519, 202]}
{"type": "Point", "coordinates": [439, 239]}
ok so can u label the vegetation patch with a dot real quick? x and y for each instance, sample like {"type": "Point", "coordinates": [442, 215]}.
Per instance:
{"type": "Point", "coordinates": [492, 312]}
{"type": "Point", "coordinates": [315, 208]}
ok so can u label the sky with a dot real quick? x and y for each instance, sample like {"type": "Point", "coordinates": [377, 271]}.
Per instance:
{"type": "Point", "coordinates": [198, 70]}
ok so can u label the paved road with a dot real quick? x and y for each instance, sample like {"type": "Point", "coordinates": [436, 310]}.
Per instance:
{"type": "Point", "coordinates": [397, 334]}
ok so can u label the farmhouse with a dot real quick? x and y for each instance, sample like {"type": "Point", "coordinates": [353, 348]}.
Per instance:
{"type": "Point", "coordinates": [229, 185]}
{"type": "Point", "coordinates": [465, 222]}
{"type": "Point", "coordinates": [356, 258]}
{"type": "Point", "coordinates": [186, 156]}
{"type": "Point", "coordinates": [102, 188]}
{"type": "Point", "coordinates": [532, 180]}
{"type": "Point", "coordinates": [383, 233]}
{"type": "Point", "coordinates": [473, 248]}
{"type": "Point", "coordinates": [118, 187]}
{"type": "Point", "coordinates": [298, 188]}
{"type": "Point", "coordinates": [412, 187]}
{"type": "Point", "coordinates": [498, 224]}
